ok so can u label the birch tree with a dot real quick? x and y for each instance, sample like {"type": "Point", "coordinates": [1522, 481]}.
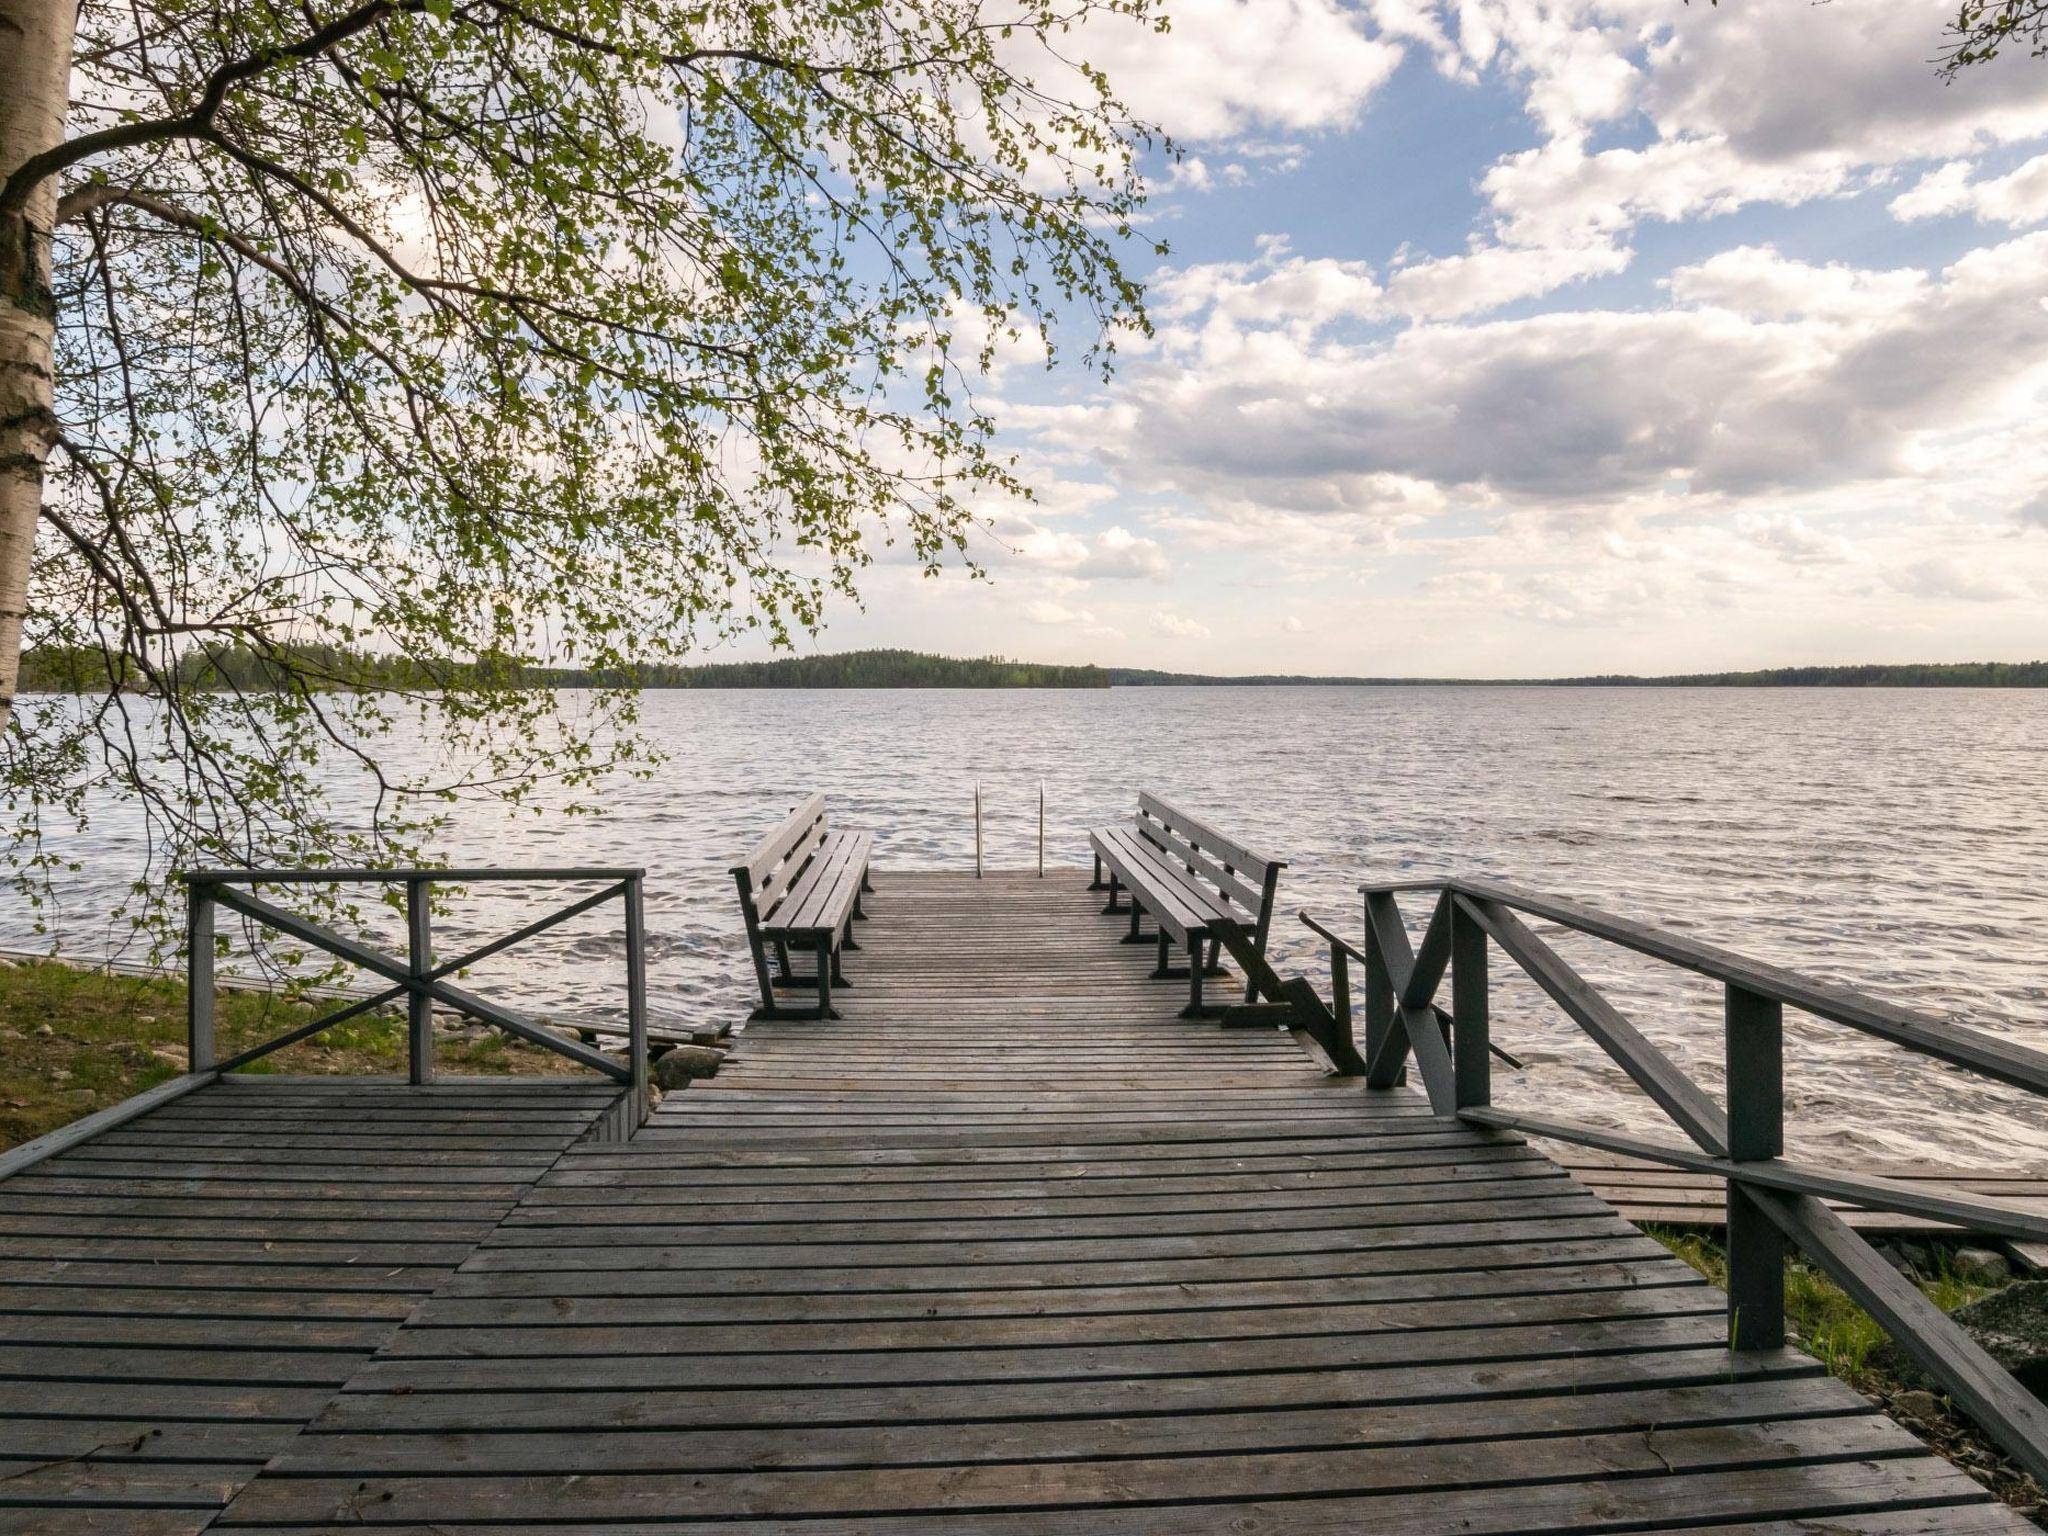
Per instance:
{"type": "Point", "coordinates": [488, 333]}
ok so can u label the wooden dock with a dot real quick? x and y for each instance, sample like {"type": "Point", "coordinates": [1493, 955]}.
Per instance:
{"type": "Point", "coordinates": [1006, 1248]}
{"type": "Point", "coordinates": [181, 1294]}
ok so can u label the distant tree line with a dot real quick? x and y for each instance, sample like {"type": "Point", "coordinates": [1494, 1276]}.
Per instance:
{"type": "Point", "coordinates": [862, 669]}
{"type": "Point", "coordinates": [1951, 674]}
{"type": "Point", "coordinates": [81, 669]}
{"type": "Point", "coordinates": [1958, 674]}
{"type": "Point", "coordinates": [85, 670]}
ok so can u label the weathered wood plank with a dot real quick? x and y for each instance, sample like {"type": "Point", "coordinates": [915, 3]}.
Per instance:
{"type": "Point", "coordinates": [178, 1296]}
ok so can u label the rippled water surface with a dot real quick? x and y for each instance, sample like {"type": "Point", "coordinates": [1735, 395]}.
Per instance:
{"type": "Point", "coordinates": [1892, 840]}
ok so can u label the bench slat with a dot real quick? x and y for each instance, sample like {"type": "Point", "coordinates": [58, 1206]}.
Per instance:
{"type": "Point", "coordinates": [1139, 866]}
{"type": "Point", "coordinates": [776, 885]}
{"type": "Point", "coordinates": [821, 899]}
{"type": "Point", "coordinates": [1229, 850]}
{"type": "Point", "coordinates": [1176, 847]}
{"type": "Point", "coordinates": [1210, 906]}
{"type": "Point", "coordinates": [775, 847]}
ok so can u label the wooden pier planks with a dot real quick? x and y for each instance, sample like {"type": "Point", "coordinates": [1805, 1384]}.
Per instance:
{"type": "Point", "coordinates": [180, 1294]}
{"type": "Point", "coordinates": [1011, 1249]}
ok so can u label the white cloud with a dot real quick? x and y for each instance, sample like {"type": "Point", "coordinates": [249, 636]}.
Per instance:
{"type": "Point", "coordinates": [1118, 553]}
{"type": "Point", "coordinates": [1227, 68]}
{"type": "Point", "coordinates": [1755, 280]}
{"type": "Point", "coordinates": [2018, 198]}
{"type": "Point", "coordinates": [1304, 295]}
{"type": "Point", "coordinates": [1275, 288]}
{"type": "Point", "coordinates": [1792, 539]}
{"type": "Point", "coordinates": [1728, 106]}
{"type": "Point", "coordinates": [1560, 194]}
{"type": "Point", "coordinates": [1490, 276]}
{"type": "Point", "coordinates": [1777, 376]}
{"type": "Point", "coordinates": [1056, 615]}
{"type": "Point", "coordinates": [1949, 576]}
{"type": "Point", "coordinates": [1851, 81]}
{"type": "Point", "coordinates": [1176, 627]}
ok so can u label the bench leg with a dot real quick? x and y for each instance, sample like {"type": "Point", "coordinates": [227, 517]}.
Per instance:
{"type": "Point", "coordinates": [1163, 971]}
{"type": "Point", "coordinates": [846, 940]}
{"type": "Point", "coordinates": [866, 884]}
{"type": "Point", "coordinates": [1196, 971]}
{"type": "Point", "coordinates": [1096, 883]}
{"type": "Point", "coordinates": [782, 962]}
{"type": "Point", "coordinates": [826, 965]}
{"type": "Point", "coordinates": [1215, 966]}
{"type": "Point", "coordinates": [1114, 904]}
{"type": "Point", "coordinates": [1134, 936]}
{"type": "Point", "coordinates": [761, 974]}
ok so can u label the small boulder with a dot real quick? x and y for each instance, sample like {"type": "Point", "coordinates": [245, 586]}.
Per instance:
{"type": "Point", "coordinates": [1916, 1404]}
{"type": "Point", "coordinates": [2012, 1327]}
{"type": "Point", "coordinates": [1981, 1266]}
{"type": "Point", "coordinates": [678, 1067]}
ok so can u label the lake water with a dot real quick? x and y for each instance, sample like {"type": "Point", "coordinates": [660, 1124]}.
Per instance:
{"type": "Point", "coordinates": [1892, 840]}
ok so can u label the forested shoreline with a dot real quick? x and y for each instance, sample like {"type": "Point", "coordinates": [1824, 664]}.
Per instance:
{"type": "Point", "coordinates": [326, 667]}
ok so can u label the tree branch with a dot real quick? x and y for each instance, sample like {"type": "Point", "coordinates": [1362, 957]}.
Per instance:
{"type": "Point", "coordinates": [198, 122]}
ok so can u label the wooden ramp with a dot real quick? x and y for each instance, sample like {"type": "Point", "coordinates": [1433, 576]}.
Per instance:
{"type": "Point", "coordinates": [179, 1295]}
{"type": "Point", "coordinates": [1009, 1248]}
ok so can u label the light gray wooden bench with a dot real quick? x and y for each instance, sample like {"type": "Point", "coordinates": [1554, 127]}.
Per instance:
{"type": "Point", "coordinates": [802, 886]}
{"type": "Point", "coordinates": [1202, 889]}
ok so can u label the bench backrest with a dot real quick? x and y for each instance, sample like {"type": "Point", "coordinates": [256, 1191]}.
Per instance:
{"type": "Point", "coordinates": [1242, 876]}
{"type": "Point", "coordinates": [769, 871]}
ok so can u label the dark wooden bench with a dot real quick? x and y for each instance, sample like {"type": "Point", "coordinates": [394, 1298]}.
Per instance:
{"type": "Point", "coordinates": [1202, 889]}
{"type": "Point", "coordinates": [802, 887]}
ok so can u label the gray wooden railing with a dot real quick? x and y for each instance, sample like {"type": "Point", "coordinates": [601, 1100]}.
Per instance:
{"type": "Point", "coordinates": [1774, 1203]}
{"type": "Point", "coordinates": [416, 977]}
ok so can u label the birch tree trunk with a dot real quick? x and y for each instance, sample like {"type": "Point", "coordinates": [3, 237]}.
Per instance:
{"type": "Point", "coordinates": [35, 77]}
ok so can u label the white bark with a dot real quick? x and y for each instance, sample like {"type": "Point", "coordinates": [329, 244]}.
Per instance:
{"type": "Point", "coordinates": [35, 79]}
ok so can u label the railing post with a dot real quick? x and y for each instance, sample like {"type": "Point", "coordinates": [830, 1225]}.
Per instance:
{"type": "Point", "coordinates": [1379, 1014]}
{"type": "Point", "coordinates": [1340, 991]}
{"type": "Point", "coordinates": [1470, 1025]}
{"type": "Point", "coordinates": [1756, 1129]}
{"type": "Point", "coordinates": [636, 1000]}
{"type": "Point", "coordinates": [419, 959]}
{"type": "Point", "coordinates": [200, 1049]}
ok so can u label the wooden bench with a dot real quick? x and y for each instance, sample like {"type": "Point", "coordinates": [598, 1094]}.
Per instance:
{"type": "Point", "coordinates": [802, 886]}
{"type": "Point", "coordinates": [1202, 889]}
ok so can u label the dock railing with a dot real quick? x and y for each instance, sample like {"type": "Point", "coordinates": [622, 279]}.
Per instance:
{"type": "Point", "coordinates": [1774, 1203]}
{"type": "Point", "coordinates": [416, 977]}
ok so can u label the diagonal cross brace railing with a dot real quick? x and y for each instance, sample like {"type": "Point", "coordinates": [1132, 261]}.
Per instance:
{"type": "Point", "coordinates": [417, 978]}
{"type": "Point", "coordinates": [1774, 1203]}
{"type": "Point", "coordinates": [1383, 1062]}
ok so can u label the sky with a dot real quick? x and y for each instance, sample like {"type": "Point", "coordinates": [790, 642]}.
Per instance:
{"type": "Point", "coordinates": [1518, 338]}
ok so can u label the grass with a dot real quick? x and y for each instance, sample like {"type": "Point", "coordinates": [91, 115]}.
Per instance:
{"type": "Point", "coordinates": [74, 1041]}
{"type": "Point", "coordinates": [1829, 1325]}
